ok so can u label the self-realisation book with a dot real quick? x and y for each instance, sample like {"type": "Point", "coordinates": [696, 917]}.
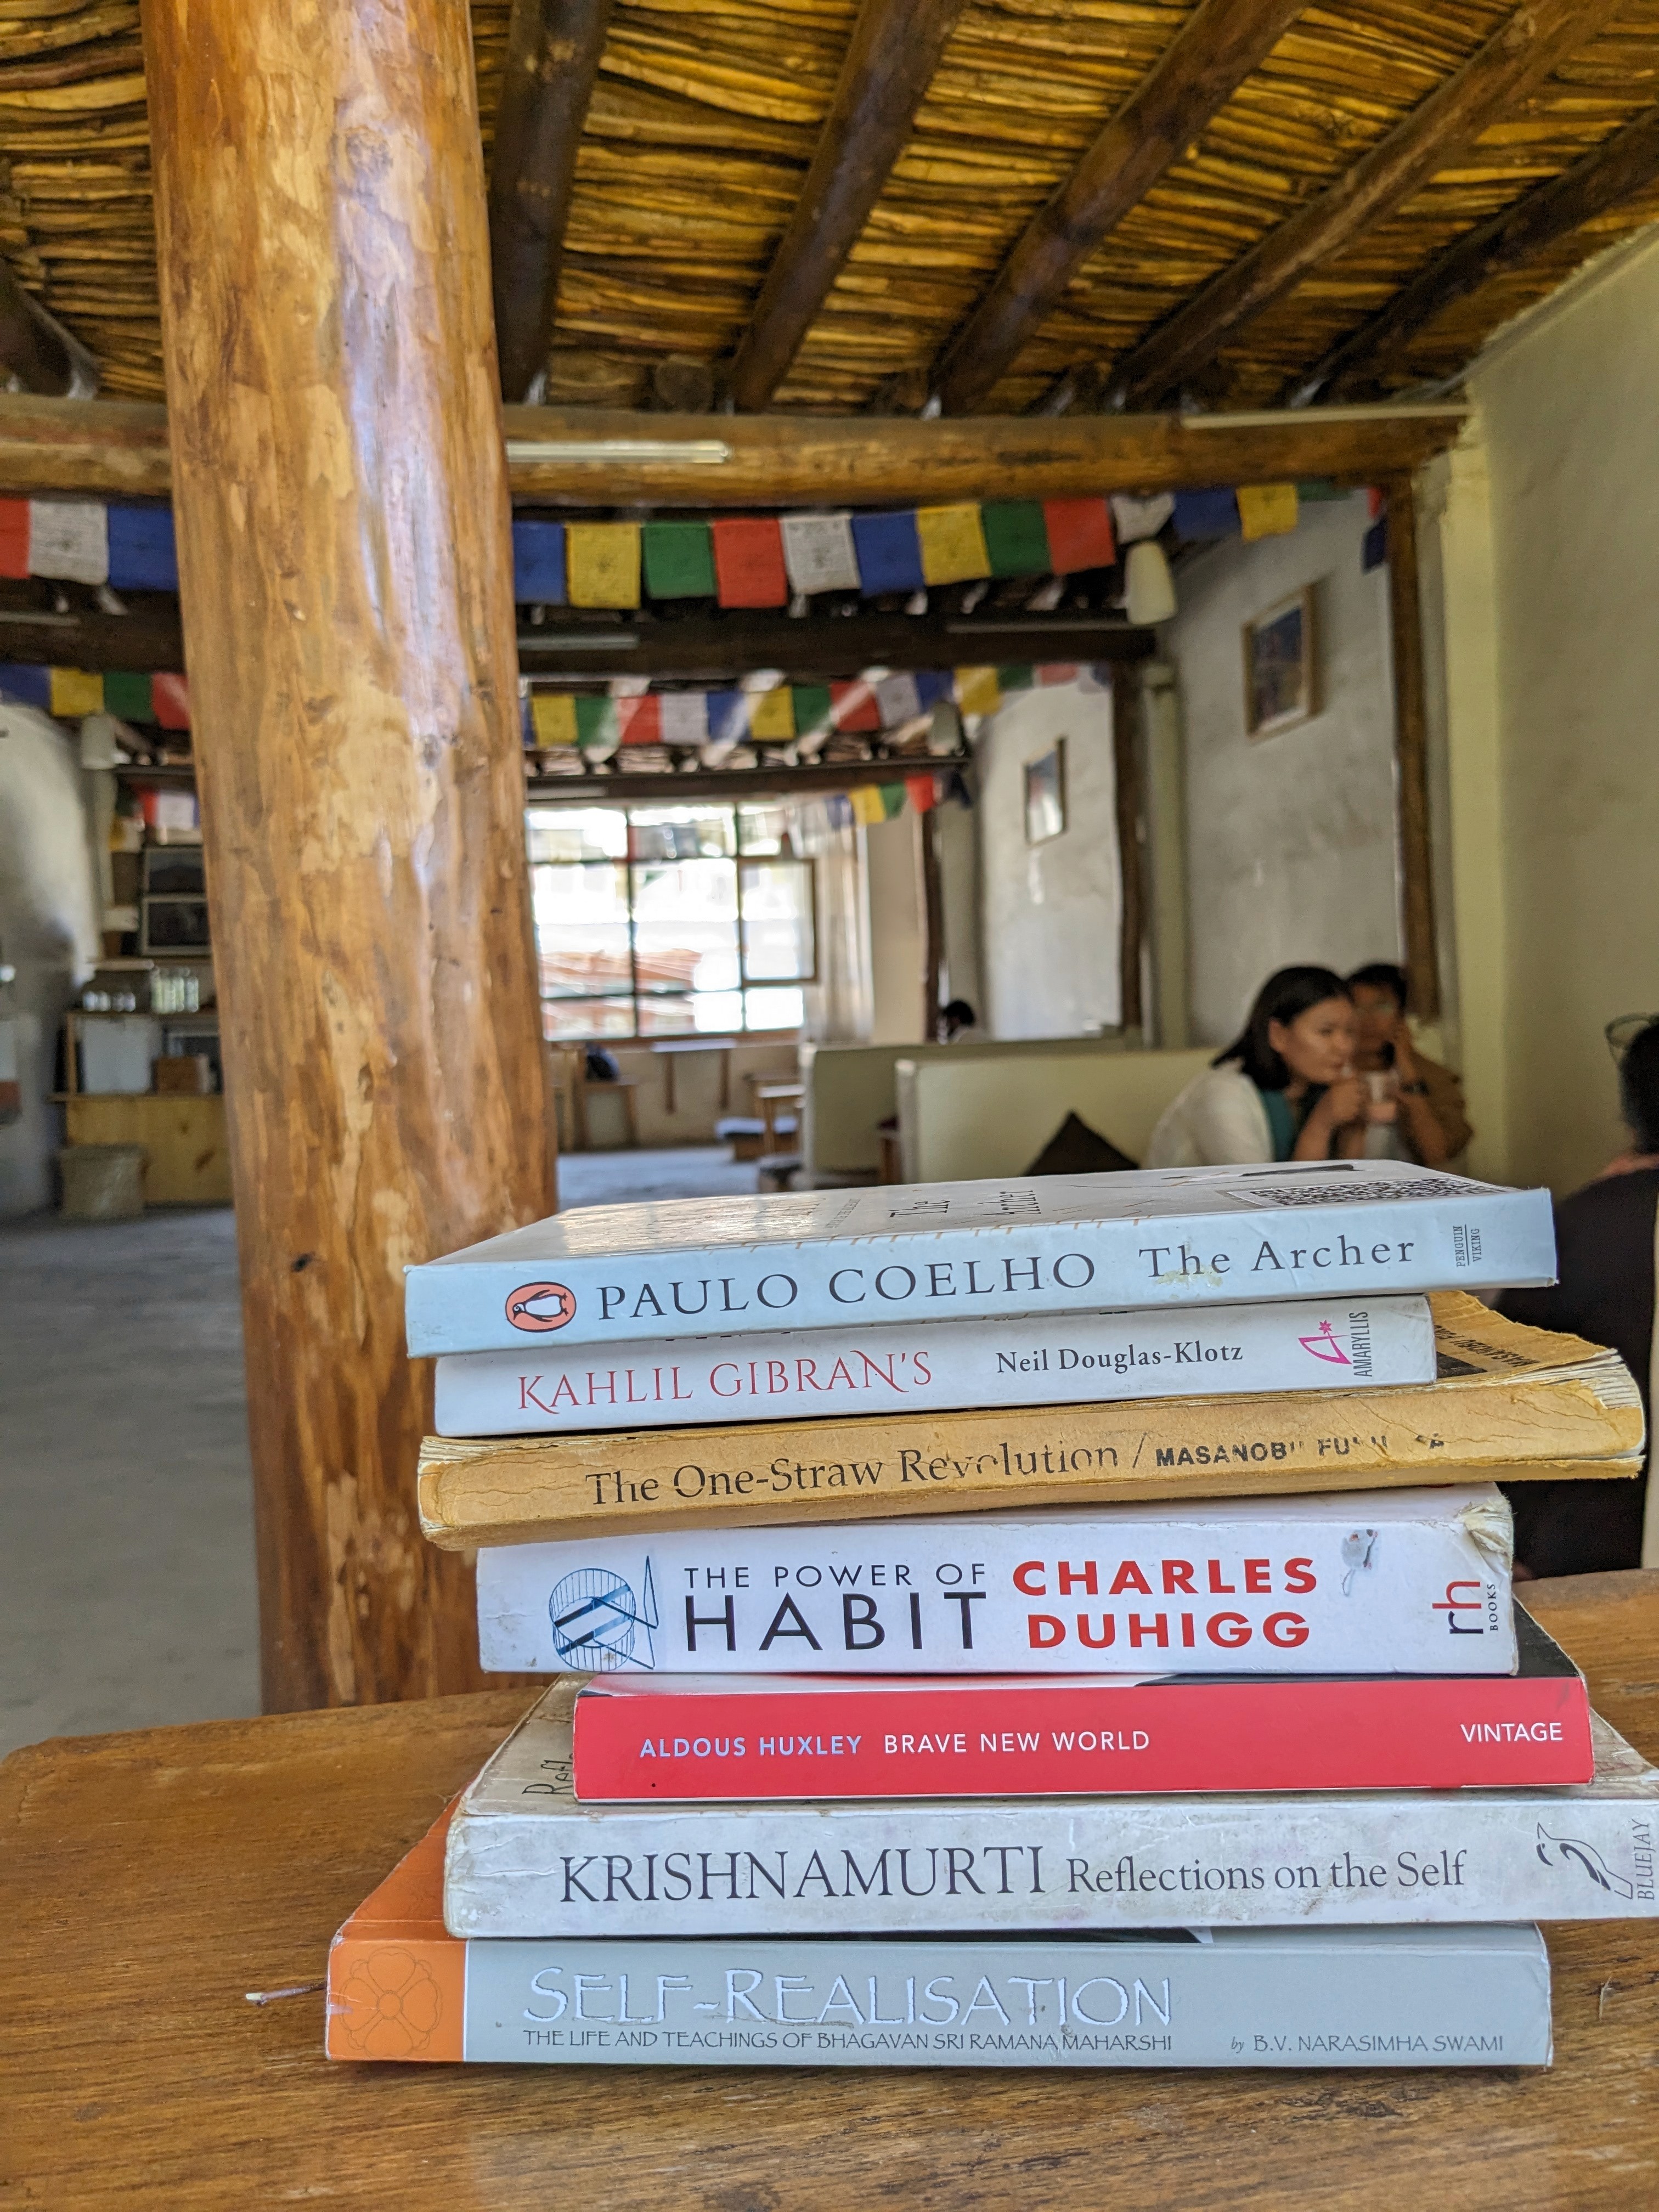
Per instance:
{"type": "Point", "coordinates": [1394, 1582]}
{"type": "Point", "coordinates": [400, 1988]}
{"type": "Point", "coordinates": [1512, 1402]}
{"type": "Point", "coordinates": [1039, 1359]}
{"type": "Point", "coordinates": [694, 1737]}
{"type": "Point", "coordinates": [685, 1267]}
{"type": "Point", "coordinates": [525, 1858]}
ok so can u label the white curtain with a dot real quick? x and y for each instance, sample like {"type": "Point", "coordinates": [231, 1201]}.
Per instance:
{"type": "Point", "coordinates": [840, 1006]}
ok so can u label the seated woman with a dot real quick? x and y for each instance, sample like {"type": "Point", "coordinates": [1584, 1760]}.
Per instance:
{"type": "Point", "coordinates": [1285, 1090]}
{"type": "Point", "coordinates": [1417, 1111]}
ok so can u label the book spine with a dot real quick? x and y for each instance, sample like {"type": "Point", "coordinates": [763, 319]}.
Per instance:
{"type": "Point", "coordinates": [1029, 1864]}
{"type": "Point", "coordinates": [1196, 1594]}
{"type": "Point", "coordinates": [1016, 1741]}
{"type": "Point", "coordinates": [1042, 1359]}
{"type": "Point", "coordinates": [1473, 1238]}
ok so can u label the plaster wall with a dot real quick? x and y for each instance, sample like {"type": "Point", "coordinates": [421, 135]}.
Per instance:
{"type": "Point", "coordinates": [897, 930]}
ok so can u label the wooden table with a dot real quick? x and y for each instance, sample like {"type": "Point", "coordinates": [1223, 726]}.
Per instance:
{"type": "Point", "coordinates": [669, 1051]}
{"type": "Point", "coordinates": [151, 1880]}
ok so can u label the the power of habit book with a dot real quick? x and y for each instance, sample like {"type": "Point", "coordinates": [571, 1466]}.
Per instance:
{"type": "Point", "coordinates": [401, 1988]}
{"type": "Point", "coordinates": [928, 1251]}
{"type": "Point", "coordinates": [1510, 1402]}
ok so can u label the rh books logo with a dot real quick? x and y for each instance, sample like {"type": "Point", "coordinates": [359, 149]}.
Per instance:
{"type": "Point", "coordinates": [538, 1306]}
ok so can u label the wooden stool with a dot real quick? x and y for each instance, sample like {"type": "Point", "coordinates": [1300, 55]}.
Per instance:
{"type": "Point", "coordinates": [770, 1100]}
{"type": "Point", "coordinates": [622, 1085]}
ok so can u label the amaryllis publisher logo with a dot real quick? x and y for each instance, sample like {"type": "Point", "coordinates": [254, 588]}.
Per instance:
{"type": "Point", "coordinates": [538, 1306]}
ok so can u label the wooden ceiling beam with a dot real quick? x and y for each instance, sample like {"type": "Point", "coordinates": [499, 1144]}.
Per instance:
{"type": "Point", "coordinates": [636, 788]}
{"type": "Point", "coordinates": [1533, 41]}
{"type": "Point", "coordinates": [553, 50]}
{"type": "Point", "coordinates": [1220, 44]}
{"type": "Point", "coordinates": [1618, 168]}
{"type": "Point", "coordinates": [890, 61]}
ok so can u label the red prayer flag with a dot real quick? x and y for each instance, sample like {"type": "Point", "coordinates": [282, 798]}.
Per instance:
{"type": "Point", "coordinates": [922, 791]}
{"type": "Point", "coordinates": [854, 706]}
{"type": "Point", "coordinates": [1376, 500]}
{"type": "Point", "coordinates": [1058, 672]}
{"type": "Point", "coordinates": [639, 722]}
{"type": "Point", "coordinates": [749, 570]}
{"type": "Point", "coordinates": [170, 697]}
{"type": "Point", "coordinates": [1079, 534]}
{"type": "Point", "coordinates": [14, 537]}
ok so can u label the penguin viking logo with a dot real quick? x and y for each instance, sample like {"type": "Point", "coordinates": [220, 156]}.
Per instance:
{"type": "Point", "coordinates": [538, 1306]}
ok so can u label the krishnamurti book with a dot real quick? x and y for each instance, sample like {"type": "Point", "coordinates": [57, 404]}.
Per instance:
{"type": "Point", "coordinates": [400, 1988]}
{"type": "Point", "coordinates": [1512, 1402]}
{"type": "Point", "coordinates": [525, 1858]}
{"type": "Point", "coordinates": [923, 1251]}
{"type": "Point", "coordinates": [1399, 1582]}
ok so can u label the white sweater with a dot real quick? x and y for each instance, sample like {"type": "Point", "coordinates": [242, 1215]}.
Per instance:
{"type": "Point", "coordinates": [1218, 1120]}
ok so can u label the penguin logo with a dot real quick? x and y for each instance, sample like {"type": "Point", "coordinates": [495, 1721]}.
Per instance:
{"type": "Point", "coordinates": [538, 1306]}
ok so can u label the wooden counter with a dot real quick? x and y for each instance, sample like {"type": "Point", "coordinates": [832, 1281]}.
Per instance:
{"type": "Point", "coordinates": [151, 1880]}
{"type": "Point", "coordinates": [189, 1159]}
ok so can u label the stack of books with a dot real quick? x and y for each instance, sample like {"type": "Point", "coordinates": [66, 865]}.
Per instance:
{"type": "Point", "coordinates": [1049, 1623]}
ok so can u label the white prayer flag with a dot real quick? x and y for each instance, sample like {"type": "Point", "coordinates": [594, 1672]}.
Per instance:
{"type": "Point", "coordinates": [68, 538]}
{"type": "Point", "coordinates": [1133, 518]}
{"type": "Point", "coordinates": [684, 717]}
{"type": "Point", "coordinates": [898, 699]}
{"type": "Point", "coordinates": [818, 552]}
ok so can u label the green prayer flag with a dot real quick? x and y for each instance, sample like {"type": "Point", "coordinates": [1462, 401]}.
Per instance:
{"type": "Point", "coordinates": [679, 560]}
{"type": "Point", "coordinates": [811, 708]}
{"type": "Point", "coordinates": [892, 799]}
{"type": "Point", "coordinates": [596, 721]}
{"type": "Point", "coordinates": [1317, 488]}
{"type": "Point", "coordinates": [128, 696]}
{"type": "Point", "coordinates": [1016, 677]}
{"type": "Point", "coordinates": [1017, 538]}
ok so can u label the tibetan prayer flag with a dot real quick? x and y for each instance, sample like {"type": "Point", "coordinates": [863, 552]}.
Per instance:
{"type": "Point", "coordinates": [29, 686]}
{"type": "Point", "coordinates": [538, 564]}
{"type": "Point", "coordinates": [1212, 514]}
{"type": "Point", "coordinates": [637, 721]}
{"type": "Point", "coordinates": [728, 717]}
{"type": "Point", "coordinates": [772, 715]}
{"type": "Point", "coordinates": [933, 684]}
{"type": "Point", "coordinates": [1016, 538]}
{"type": "Point", "coordinates": [899, 698]}
{"type": "Point", "coordinates": [819, 553]}
{"type": "Point", "coordinates": [1080, 535]}
{"type": "Point", "coordinates": [1374, 551]}
{"type": "Point", "coordinates": [1135, 517]}
{"type": "Point", "coordinates": [1058, 672]}
{"type": "Point", "coordinates": [1016, 676]}
{"type": "Point", "coordinates": [1149, 588]}
{"type": "Point", "coordinates": [867, 808]}
{"type": "Point", "coordinates": [596, 725]}
{"type": "Point", "coordinates": [749, 561]}
{"type": "Point", "coordinates": [683, 716]}
{"type": "Point", "coordinates": [1311, 489]}
{"type": "Point", "coordinates": [854, 706]}
{"type": "Point", "coordinates": [76, 691]}
{"type": "Point", "coordinates": [140, 550]}
{"type": "Point", "coordinates": [553, 718]}
{"type": "Point", "coordinates": [952, 544]}
{"type": "Point", "coordinates": [679, 560]}
{"type": "Point", "coordinates": [1267, 511]}
{"type": "Point", "coordinates": [14, 537]}
{"type": "Point", "coordinates": [68, 538]}
{"type": "Point", "coordinates": [922, 793]}
{"type": "Point", "coordinates": [602, 564]}
{"type": "Point", "coordinates": [978, 691]}
{"type": "Point", "coordinates": [1376, 500]}
{"type": "Point", "coordinates": [813, 716]}
{"type": "Point", "coordinates": [888, 553]}
{"type": "Point", "coordinates": [126, 694]}
{"type": "Point", "coordinates": [892, 799]}
{"type": "Point", "coordinates": [170, 697]}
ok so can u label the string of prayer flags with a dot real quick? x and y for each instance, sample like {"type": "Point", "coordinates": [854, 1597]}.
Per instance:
{"type": "Point", "coordinates": [819, 553]}
{"type": "Point", "coordinates": [1212, 514]}
{"type": "Point", "coordinates": [952, 543]}
{"type": "Point", "coordinates": [69, 540]}
{"type": "Point", "coordinates": [14, 539]}
{"type": "Point", "coordinates": [1267, 511]}
{"type": "Point", "coordinates": [1080, 535]}
{"type": "Point", "coordinates": [749, 561]}
{"type": "Point", "coordinates": [602, 564]}
{"type": "Point", "coordinates": [538, 563]}
{"type": "Point", "coordinates": [888, 553]}
{"type": "Point", "coordinates": [679, 559]}
{"type": "Point", "coordinates": [1135, 518]}
{"type": "Point", "coordinates": [142, 554]}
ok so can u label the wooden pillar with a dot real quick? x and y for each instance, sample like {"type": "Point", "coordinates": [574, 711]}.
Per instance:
{"type": "Point", "coordinates": [1411, 752]}
{"type": "Point", "coordinates": [345, 572]}
{"type": "Point", "coordinates": [1128, 783]}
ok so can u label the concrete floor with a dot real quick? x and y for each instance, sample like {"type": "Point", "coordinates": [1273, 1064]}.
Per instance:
{"type": "Point", "coordinates": [126, 1537]}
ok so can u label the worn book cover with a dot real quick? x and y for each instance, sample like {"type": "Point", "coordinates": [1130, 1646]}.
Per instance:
{"type": "Point", "coordinates": [1393, 1582]}
{"type": "Point", "coordinates": [1042, 1359]}
{"type": "Point", "coordinates": [1169, 1237]}
{"type": "Point", "coordinates": [400, 1988]}
{"type": "Point", "coordinates": [525, 1858]}
{"type": "Point", "coordinates": [1510, 1402]}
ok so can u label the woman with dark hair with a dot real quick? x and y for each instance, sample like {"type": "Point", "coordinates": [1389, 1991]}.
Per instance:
{"type": "Point", "coordinates": [1604, 1244]}
{"type": "Point", "coordinates": [1283, 1089]}
{"type": "Point", "coordinates": [1417, 1106]}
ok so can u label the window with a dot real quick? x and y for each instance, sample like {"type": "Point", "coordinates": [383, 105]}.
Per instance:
{"type": "Point", "coordinates": [669, 920]}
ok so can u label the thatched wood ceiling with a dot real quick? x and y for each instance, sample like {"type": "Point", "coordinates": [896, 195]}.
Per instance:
{"type": "Point", "coordinates": [705, 114]}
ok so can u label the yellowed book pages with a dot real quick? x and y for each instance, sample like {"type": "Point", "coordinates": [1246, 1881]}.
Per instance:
{"type": "Point", "coordinates": [1513, 1404]}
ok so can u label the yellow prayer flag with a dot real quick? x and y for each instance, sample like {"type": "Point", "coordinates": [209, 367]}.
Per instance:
{"type": "Point", "coordinates": [978, 691]}
{"type": "Point", "coordinates": [952, 541]}
{"type": "Point", "coordinates": [603, 564]}
{"type": "Point", "coordinates": [553, 718]}
{"type": "Point", "coordinates": [867, 805]}
{"type": "Point", "coordinates": [76, 691]}
{"type": "Point", "coordinates": [772, 714]}
{"type": "Point", "coordinates": [1268, 510]}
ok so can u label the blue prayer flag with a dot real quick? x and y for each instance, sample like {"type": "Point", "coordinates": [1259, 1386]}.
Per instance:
{"type": "Point", "coordinates": [30, 687]}
{"type": "Point", "coordinates": [538, 563]}
{"type": "Point", "coordinates": [888, 552]}
{"type": "Point", "coordinates": [1205, 515]}
{"type": "Point", "coordinates": [141, 552]}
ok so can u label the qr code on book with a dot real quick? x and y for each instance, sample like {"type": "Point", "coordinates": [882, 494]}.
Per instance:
{"type": "Point", "coordinates": [1324, 1192]}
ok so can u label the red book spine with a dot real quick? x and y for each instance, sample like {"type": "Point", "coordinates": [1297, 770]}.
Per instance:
{"type": "Point", "coordinates": [1029, 1739]}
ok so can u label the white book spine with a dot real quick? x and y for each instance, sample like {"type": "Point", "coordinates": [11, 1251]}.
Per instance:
{"type": "Point", "coordinates": [1042, 1359]}
{"type": "Point", "coordinates": [1410, 1581]}
{"type": "Point", "coordinates": [1474, 1996]}
{"type": "Point", "coordinates": [932, 1252]}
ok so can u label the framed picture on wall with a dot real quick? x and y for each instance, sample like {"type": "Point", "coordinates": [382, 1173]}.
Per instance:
{"type": "Point", "coordinates": [1281, 669]}
{"type": "Point", "coordinates": [1045, 795]}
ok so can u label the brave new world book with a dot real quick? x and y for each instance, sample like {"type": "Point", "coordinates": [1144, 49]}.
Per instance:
{"type": "Point", "coordinates": [728, 1267]}
{"type": "Point", "coordinates": [1388, 1582]}
{"type": "Point", "coordinates": [526, 1858]}
{"type": "Point", "coordinates": [400, 1988]}
{"type": "Point", "coordinates": [1039, 1359]}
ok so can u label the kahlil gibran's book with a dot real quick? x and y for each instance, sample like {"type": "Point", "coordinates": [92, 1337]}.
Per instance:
{"type": "Point", "coordinates": [1512, 1402]}
{"type": "Point", "coordinates": [1389, 1582]}
{"type": "Point", "coordinates": [1037, 1360]}
{"type": "Point", "coordinates": [799, 1736]}
{"type": "Point", "coordinates": [400, 1988]}
{"type": "Point", "coordinates": [728, 1267]}
{"type": "Point", "coordinates": [525, 1858]}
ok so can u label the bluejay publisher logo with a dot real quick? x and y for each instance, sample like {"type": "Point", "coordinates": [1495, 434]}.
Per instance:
{"type": "Point", "coordinates": [598, 1622]}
